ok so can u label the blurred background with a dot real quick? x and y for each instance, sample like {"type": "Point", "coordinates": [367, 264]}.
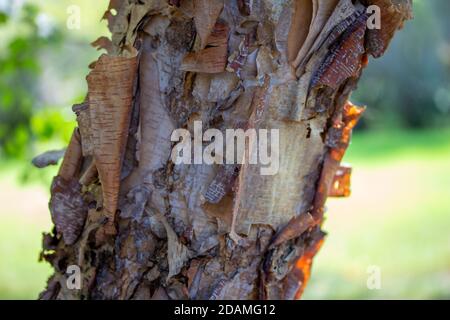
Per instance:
{"type": "Point", "coordinates": [396, 224]}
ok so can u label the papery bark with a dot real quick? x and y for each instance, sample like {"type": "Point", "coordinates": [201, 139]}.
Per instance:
{"type": "Point", "coordinates": [142, 227]}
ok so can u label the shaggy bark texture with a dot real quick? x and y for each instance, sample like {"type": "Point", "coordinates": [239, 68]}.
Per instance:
{"type": "Point", "coordinates": [142, 227]}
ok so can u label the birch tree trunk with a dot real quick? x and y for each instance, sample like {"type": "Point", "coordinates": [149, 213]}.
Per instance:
{"type": "Point", "coordinates": [140, 226]}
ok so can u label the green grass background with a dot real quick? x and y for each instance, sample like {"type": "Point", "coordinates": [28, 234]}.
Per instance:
{"type": "Point", "coordinates": [398, 218]}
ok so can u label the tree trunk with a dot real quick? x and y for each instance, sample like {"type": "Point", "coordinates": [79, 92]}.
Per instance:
{"type": "Point", "coordinates": [140, 225]}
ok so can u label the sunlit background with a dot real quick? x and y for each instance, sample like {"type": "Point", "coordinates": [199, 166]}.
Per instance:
{"type": "Point", "coordinates": [397, 221]}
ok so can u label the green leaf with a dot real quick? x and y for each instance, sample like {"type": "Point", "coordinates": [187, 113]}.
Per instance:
{"type": "Point", "coordinates": [3, 18]}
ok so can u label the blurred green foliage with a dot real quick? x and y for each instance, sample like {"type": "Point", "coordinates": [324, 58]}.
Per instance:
{"type": "Point", "coordinates": [42, 69]}
{"type": "Point", "coordinates": [22, 119]}
{"type": "Point", "coordinates": [409, 87]}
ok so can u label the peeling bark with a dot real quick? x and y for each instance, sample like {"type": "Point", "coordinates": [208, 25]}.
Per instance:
{"type": "Point", "coordinates": [142, 227]}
